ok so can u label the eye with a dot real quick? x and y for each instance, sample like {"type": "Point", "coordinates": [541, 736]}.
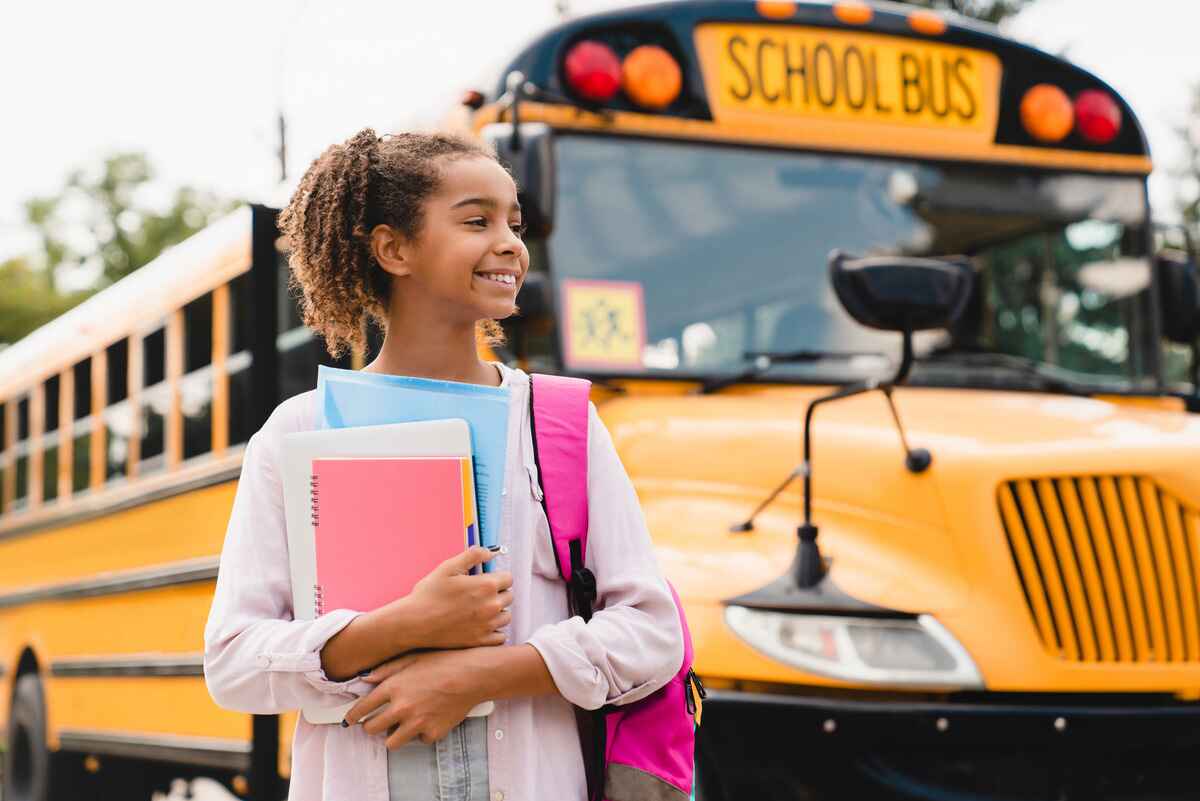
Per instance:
{"type": "Point", "coordinates": [480, 221]}
{"type": "Point", "coordinates": [519, 229]}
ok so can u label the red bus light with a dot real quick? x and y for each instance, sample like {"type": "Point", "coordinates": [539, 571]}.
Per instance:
{"type": "Point", "coordinates": [593, 71]}
{"type": "Point", "coordinates": [1097, 116]}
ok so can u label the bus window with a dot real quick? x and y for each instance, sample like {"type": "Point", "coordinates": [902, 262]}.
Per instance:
{"type": "Point", "coordinates": [117, 420]}
{"type": "Point", "coordinates": [19, 456]}
{"type": "Point", "coordinates": [301, 350]}
{"type": "Point", "coordinates": [81, 421]}
{"type": "Point", "coordinates": [155, 402]}
{"type": "Point", "coordinates": [241, 301]}
{"type": "Point", "coordinates": [4, 468]}
{"type": "Point", "coordinates": [50, 395]}
{"type": "Point", "coordinates": [196, 389]}
{"type": "Point", "coordinates": [533, 344]}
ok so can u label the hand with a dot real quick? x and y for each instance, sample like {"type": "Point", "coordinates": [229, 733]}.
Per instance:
{"type": "Point", "coordinates": [451, 609]}
{"type": "Point", "coordinates": [421, 695]}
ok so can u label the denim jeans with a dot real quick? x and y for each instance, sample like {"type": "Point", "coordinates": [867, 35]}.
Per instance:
{"type": "Point", "coordinates": [453, 769]}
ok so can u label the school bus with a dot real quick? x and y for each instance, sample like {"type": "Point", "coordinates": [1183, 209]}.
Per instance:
{"type": "Point", "coordinates": [1002, 600]}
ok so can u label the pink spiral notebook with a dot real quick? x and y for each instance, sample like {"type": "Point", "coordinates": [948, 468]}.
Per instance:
{"type": "Point", "coordinates": [381, 525]}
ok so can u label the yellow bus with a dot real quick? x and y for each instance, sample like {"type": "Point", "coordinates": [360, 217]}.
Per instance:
{"type": "Point", "coordinates": [1002, 600]}
{"type": "Point", "coordinates": [122, 425]}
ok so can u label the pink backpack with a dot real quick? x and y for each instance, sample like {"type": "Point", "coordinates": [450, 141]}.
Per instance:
{"type": "Point", "coordinates": [643, 751]}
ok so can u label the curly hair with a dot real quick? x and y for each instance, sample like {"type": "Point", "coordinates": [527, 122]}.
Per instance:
{"type": "Point", "coordinates": [327, 224]}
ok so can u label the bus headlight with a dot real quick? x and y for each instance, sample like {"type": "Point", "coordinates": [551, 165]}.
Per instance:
{"type": "Point", "coordinates": [909, 653]}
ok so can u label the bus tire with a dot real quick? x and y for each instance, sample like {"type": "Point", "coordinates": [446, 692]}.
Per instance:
{"type": "Point", "coordinates": [27, 771]}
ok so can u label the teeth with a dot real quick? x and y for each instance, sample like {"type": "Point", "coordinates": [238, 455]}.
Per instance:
{"type": "Point", "coordinates": [500, 278]}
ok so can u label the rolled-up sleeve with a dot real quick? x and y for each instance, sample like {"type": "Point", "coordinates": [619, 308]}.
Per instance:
{"type": "Point", "coordinates": [633, 645]}
{"type": "Point", "coordinates": [257, 657]}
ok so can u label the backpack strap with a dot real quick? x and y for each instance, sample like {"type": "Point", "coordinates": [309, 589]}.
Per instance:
{"type": "Point", "coordinates": [558, 420]}
{"type": "Point", "coordinates": [558, 414]}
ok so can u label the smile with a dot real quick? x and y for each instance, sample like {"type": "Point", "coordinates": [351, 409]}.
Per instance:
{"type": "Point", "coordinates": [500, 278]}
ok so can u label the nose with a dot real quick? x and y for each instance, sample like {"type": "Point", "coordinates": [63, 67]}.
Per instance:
{"type": "Point", "coordinates": [509, 244]}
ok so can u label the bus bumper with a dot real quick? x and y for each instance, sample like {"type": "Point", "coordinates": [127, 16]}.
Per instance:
{"type": "Point", "coordinates": [776, 747]}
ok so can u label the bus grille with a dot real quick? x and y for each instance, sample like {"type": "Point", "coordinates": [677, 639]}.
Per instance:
{"type": "Point", "coordinates": [1109, 566]}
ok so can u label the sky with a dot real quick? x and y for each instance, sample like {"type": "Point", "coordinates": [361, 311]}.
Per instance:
{"type": "Point", "coordinates": [198, 86]}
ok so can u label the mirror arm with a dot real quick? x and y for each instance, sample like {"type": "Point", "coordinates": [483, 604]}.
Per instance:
{"type": "Point", "coordinates": [515, 82]}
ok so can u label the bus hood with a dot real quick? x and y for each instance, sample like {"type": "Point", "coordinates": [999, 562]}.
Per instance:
{"type": "Point", "coordinates": [925, 543]}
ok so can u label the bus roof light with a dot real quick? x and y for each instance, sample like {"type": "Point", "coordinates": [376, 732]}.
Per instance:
{"type": "Point", "coordinates": [776, 9]}
{"type": "Point", "coordinates": [593, 71]}
{"type": "Point", "coordinates": [853, 12]}
{"type": "Point", "coordinates": [1098, 115]}
{"type": "Point", "coordinates": [651, 77]}
{"type": "Point", "coordinates": [926, 21]}
{"type": "Point", "coordinates": [1047, 113]}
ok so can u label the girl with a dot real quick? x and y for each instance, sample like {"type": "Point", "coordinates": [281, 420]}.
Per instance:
{"type": "Point", "coordinates": [422, 235]}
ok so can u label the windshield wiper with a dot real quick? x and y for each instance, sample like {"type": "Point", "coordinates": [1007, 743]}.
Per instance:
{"type": "Point", "coordinates": [765, 360]}
{"type": "Point", "coordinates": [1021, 364]}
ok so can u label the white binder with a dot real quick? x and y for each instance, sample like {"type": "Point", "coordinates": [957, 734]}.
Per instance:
{"type": "Point", "coordinates": [451, 437]}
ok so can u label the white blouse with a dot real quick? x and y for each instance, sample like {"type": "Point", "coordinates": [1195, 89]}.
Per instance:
{"type": "Point", "coordinates": [257, 659]}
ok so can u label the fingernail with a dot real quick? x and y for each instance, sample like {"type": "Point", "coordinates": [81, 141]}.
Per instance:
{"type": "Point", "coordinates": [344, 723]}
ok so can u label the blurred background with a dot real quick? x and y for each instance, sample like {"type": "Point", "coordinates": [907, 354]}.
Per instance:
{"type": "Point", "coordinates": [133, 124]}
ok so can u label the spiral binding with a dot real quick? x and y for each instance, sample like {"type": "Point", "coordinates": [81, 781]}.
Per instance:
{"type": "Point", "coordinates": [318, 599]}
{"type": "Point", "coordinates": [314, 507]}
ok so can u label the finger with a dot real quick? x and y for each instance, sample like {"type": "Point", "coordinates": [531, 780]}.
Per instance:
{"type": "Point", "coordinates": [384, 720]}
{"type": "Point", "coordinates": [368, 703]}
{"type": "Point", "coordinates": [388, 669]}
{"type": "Point", "coordinates": [503, 580]}
{"type": "Point", "coordinates": [402, 735]}
{"type": "Point", "coordinates": [501, 620]}
{"type": "Point", "coordinates": [495, 638]}
{"type": "Point", "coordinates": [505, 598]}
{"type": "Point", "coordinates": [461, 563]}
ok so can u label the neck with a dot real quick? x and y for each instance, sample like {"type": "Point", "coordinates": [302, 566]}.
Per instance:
{"type": "Point", "coordinates": [431, 346]}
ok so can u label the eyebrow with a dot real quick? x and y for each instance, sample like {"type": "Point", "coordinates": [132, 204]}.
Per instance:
{"type": "Point", "coordinates": [485, 202]}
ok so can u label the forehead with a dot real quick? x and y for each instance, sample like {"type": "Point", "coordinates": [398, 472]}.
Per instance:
{"type": "Point", "coordinates": [476, 177]}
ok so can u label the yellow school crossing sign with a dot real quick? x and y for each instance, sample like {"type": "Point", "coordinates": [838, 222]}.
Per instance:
{"type": "Point", "coordinates": [605, 324]}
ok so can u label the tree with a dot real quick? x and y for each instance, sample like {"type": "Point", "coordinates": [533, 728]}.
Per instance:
{"type": "Point", "coordinates": [102, 221]}
{"type": "Point", "coordinates": [101, 226]}
{"type": "Point", "coordinates": [27, 302]}
{"type": "Point", "coordinates": [987, 10]}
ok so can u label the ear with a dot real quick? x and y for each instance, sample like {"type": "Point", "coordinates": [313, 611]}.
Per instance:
{"type": "Point", "coordinates": [391, 250]}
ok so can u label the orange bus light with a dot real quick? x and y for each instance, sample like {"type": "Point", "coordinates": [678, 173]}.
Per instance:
{"type": "Point", "coordinates": [1099, 116]}
{"type": "Point", "coordinates": [775, 9]}
{"type": "Point", "coordinates": [1047, 113]}
{"type": "Point", "coordinates": [927, 22]}
{"type": "Point", "coordinates": [651, 77]}
{"type": "Point", "coordinates": [593, 71]}
{"type": "Point", "coordinates": [853, 12]}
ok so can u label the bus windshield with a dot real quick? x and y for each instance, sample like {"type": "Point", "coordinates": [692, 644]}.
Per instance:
{"type": "Point", "coordinates": [727, 248]}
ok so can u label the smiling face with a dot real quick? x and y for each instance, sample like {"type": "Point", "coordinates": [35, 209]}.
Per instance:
{"type": "Point", "coordinates": [467, 259]}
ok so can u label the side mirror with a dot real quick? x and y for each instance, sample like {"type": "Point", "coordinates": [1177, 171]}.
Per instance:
{"type": "Point", "coordinates": [901, 293]}
{"type": "Point", "coordinates": [529, 155]}
{"type": "Point", "coordinates": [1179, 293]}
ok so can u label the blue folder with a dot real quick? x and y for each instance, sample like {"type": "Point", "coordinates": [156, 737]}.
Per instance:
{"type": "Point", "coordinates": [347, 398]}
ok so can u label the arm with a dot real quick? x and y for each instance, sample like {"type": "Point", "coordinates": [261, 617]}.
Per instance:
{"type": "Point", "coordinates": [257, 658]}
{"type": "Point", "coordinates": [633, 645]}
{"type": "Point", "coordinates": [449, 608]}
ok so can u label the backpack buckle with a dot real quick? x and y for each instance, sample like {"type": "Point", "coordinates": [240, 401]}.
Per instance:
{"type": "Point", "coordinates": [583, 591]}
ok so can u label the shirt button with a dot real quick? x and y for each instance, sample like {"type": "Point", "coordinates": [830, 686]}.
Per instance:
{"type": "Point", "coordinates": [497, 796]}
{"type": "Point", "coordinates": [263, 661]}
{"type": "Point", "coordinates": [503, 491]}
{"type": "Point", "coordinates": [499, 734]}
